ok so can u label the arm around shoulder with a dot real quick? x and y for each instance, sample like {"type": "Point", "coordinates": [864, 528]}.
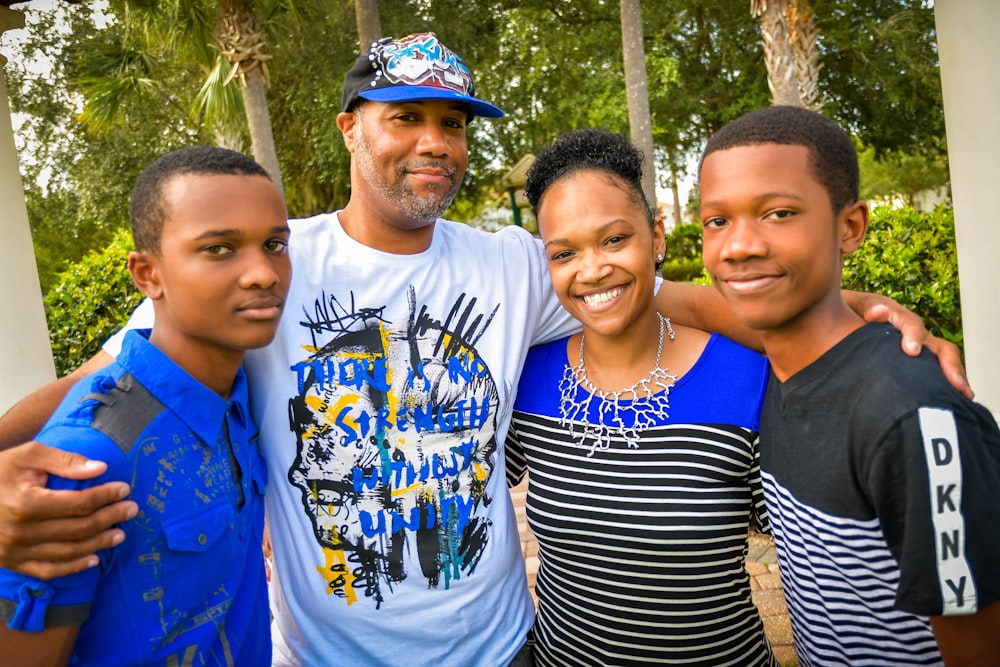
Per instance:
{"type": "Point", "coordinates": [51, 648]}
{"type": "Point", "coordinates": [703, 307]}
{"type": "Point", "coordinates": [44, 532]}
{"type": "Point", "coordinates": [877, 308]}
{"type": "Point", "coordinates": [23, 421]}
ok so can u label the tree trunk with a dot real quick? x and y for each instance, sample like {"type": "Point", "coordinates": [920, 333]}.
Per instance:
{"type": "Point", "coordinates": [243, 43]}
{"type": "Point", "coordinates": [671, 165]}
{"type": "Point", "coordinates": [781, 75]}
{"type": "Point", "coordinates": [639, 121]}
{"type": "Point", "coordinates": [259, 122]}
{"type": "Point", "coordinates": [369, 26]}
{"type": "Point", "coordinates": [678, 220]}
{"type": "Point", "coordinates": [802, 36]}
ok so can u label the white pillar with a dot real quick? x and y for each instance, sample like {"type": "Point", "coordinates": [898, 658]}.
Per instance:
{"type": "Point", "coordinates": [970, 79]}
{"type": "Point", "coordinates": [25, 354]}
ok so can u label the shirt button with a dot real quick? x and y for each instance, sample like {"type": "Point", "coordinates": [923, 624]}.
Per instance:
{"type": "Point", "coordinates": [202, 539]}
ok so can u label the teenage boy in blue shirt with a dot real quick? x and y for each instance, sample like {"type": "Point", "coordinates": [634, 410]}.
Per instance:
{"type": "Point", "coordinates": [881, 481]}
{"type": "Point", "coordinates": [170, 417]}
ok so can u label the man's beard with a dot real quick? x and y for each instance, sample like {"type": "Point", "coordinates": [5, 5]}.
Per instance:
{"type": "Point", "coordinates": [420, 209]}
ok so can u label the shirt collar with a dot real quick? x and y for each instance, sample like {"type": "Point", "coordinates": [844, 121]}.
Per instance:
{"type": "Point", "coordinates": [199, 407]}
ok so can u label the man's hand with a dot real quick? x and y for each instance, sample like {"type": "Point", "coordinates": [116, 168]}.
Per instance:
{"type": "Point", "coordinates": [46, 533]}
{"type": "Point", "coordinates": [876, 308]}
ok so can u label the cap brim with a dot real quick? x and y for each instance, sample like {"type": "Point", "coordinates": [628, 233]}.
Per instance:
{"type": "Point", "coordinates": [417, 93]}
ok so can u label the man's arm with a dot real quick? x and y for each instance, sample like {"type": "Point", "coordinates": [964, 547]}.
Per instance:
{"type": "Point", "coordinates": [46, 533]}
{"type": "Point", "coordinates": [50, 648]}
{"type": "Point", "coordinates": [23, 421]}
{"type": "Point", "coordinates": [703, 307]}
{"type": "Point", "coordinates": [969, 641]}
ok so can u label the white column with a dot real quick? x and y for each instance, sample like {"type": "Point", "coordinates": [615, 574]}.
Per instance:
{"type": "Point", "coordinates": [25, 355]}
{"type": "Point", "coordinates": [970, 78]}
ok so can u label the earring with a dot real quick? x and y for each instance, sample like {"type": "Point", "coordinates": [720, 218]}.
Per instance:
{"type": "Point", "coordinates": [659, 258]}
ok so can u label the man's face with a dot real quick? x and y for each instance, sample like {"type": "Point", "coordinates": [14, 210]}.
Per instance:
{"type": "Point", "coordinates": [411, 157]}
{"type": "Point", "coordinates": [772, 243]}
{"type": "Point", "coordinates": [222, 271]}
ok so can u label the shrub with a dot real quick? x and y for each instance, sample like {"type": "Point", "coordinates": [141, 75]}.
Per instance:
{"type": "Point", "coordinates": [90, 301]}
{"type": "Point", "coordinates": [683, 256]}
{"type": "Point", "coordinates": [910, 257]}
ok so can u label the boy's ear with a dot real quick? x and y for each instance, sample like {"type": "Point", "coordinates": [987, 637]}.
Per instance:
{"type": "Point", "coordinates": [145, 270]}
{"type": "Point", "coordinates": [854, 226]}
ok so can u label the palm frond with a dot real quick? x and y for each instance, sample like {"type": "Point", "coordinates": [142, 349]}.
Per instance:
{"type": "Point", "coordinates": [111, 76]}
{"type": "Point", "coordinates": [219, 101]}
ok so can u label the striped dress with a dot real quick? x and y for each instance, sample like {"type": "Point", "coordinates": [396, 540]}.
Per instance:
{"type": "Point", "coordinates": [642, 549]}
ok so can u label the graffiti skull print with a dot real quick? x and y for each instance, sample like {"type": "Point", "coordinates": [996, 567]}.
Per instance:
{"type": "Point", "coordinates": [395, 427]}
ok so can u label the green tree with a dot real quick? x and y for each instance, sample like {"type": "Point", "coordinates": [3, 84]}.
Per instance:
{"type": "Point", "coordinates": [552, 66]}
{"type": "Point", "coordinates": [903, 174]}
{"type": "Point", "coordinates": [683, 256]}
{"type": "Point", "coordinates": [226, 39]}
{"type": "Point", "coordinates": [634, 63]}
{"type": "Point", "coordinates": [790, 51]}
{"type": "Point", "coordinates": [77, 182]}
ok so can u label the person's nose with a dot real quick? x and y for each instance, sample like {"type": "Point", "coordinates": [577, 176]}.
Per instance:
{"type": "Point", "coordinates": [434, 140]}
{"type": "Point", "coordinates": [593, 267]}
{"type": "Point", "coordinates": [261, 271]}
{"type": "Point", "coordinates": [743, 240]}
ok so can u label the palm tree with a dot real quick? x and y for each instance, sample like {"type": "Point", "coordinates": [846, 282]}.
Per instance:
{"type": "Point", "coordinates": [637, 93]}
{"type": "Point", "coordinates": [791, 53]}
{"type": "Point", "coordinates": [369, 26]}
{"type": "Point", "coordinates": [225, 38]}
{"type": "Point", "coordinates": [243, 44]}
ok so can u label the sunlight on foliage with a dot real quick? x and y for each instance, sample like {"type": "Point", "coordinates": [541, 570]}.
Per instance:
{"type": "Point", "coordinates": [91, 301]}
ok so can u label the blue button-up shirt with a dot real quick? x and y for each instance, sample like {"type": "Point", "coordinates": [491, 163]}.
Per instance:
{"type": "Point", "coordinates": [187, 586]}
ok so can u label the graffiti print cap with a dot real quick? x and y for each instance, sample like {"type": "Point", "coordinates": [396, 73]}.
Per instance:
{"type": "Point", "coordinates": [417, 67]}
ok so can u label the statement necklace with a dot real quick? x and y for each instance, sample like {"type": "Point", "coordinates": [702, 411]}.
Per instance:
{"type": "Point", "coordinates": [647, 402]}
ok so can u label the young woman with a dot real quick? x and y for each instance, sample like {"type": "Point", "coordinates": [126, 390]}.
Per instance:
{"type": "Point", "coordinates": [640, 438]}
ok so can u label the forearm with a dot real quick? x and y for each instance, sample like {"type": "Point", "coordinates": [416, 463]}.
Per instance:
{"type": "Point", "coordinates": [969, 641]}
{"type": "Point", "coordinates": [51, 648]}
{"type": "Point", "coordinates": [23, 421]}
{"type": "Point", "coordinates": [703, 307]}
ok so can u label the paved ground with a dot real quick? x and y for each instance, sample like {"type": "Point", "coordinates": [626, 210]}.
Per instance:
{"type": "Point", "coordinates": [762, 565]}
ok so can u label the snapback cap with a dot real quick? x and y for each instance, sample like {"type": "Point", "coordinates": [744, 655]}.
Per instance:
{"type": "Point", "coordinates": [416, 67]}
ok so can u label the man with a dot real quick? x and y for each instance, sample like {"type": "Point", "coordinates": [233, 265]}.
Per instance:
{"type": "Point", "coordinates": [383, 400]}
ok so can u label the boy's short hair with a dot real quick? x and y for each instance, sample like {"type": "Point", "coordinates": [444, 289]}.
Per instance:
{"type": "Point", "coordinates": [832, 156]}
{"type": "Point", "coordinates": [148, 210]}
{"type": "Point", "coordinates": [588, 149]}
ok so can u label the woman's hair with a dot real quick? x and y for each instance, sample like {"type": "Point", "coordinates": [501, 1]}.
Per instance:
{"type": "Point", "coordinates": [589, 150]}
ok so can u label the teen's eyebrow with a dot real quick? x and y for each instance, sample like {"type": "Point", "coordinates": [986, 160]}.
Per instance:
{"type": "Point", "coordinates": [235, 231]}
{"type": "Point", "coordinates": [215, 233]}
{"type": "Point", "coordinates": [764, 196]}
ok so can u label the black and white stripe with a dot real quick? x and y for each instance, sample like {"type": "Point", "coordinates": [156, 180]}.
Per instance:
{"type": "Point", "coordinates": [840, 583]}
{"type": "Point", "coordinates": [642, 550]}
